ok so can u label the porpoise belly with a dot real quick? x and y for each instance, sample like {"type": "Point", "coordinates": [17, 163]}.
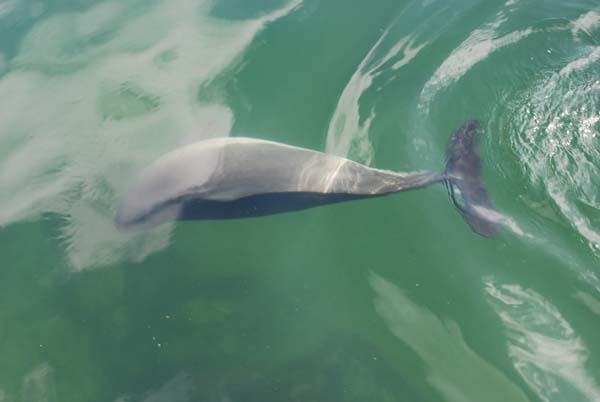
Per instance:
{"type": "Point", "coordinates": [260, 205]}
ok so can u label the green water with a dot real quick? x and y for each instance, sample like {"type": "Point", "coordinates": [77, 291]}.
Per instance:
{"type": "Point", "coordinates": [390, 299]}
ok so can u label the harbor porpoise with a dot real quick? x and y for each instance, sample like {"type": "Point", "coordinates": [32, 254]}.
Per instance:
{"type": "Point", "coordinates": [228, 178]}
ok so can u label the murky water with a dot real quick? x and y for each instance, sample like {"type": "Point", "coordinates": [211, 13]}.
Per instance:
{"type": "Point", "coordinates": [391, 299]}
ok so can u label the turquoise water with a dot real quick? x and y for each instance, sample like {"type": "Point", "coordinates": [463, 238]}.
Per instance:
{"type": "Point", "coordinates": [390, 299]}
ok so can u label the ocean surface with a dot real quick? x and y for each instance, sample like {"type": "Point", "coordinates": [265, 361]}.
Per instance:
{"type": "Point", "coordinates": [392, 299]}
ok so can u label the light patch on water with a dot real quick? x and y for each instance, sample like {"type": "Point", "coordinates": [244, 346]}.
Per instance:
{"type": "Point", "coordinates": [2, 63]}
{"type": "Point", "coordinates": [500, 219]}
{"type": "Point", "coordinates": [93, 97]}
{"type": "Point", "coordinates": [587, 23]}
{"type": "Point", "coordinates": [543, 346]}
{"type": "Point", "coordinates": [7, 7]}
{"type": "Point", "coordinates": [97, 19]}
{"type": "Point", "coordinates": [39, 385]}
{"type": "Point", "coordinates": [477, 47]}
{"type": "Point", "coordinates": [178, 389]}
{"type": "Point", "coordinates": [592, 279]}
{"type": "Point", "coordinates": [347, 136]}
{"type": "Point", "coordinates": [37, 9]}
{"type": "Point", "coordinates": [454, 369]}
{"type": "Point", "coordinates": [589, 301]}
{"type": "Point", "coordinates": [3, 396]}
{"type": "Point", "coordinates": [20, 11]}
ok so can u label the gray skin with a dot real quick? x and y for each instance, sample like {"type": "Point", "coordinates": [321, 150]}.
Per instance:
{"type": "Point", "coordinates": [229, 178]}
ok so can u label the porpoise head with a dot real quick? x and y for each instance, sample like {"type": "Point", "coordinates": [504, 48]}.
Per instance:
{"type": "Point", "coordinates": [162, 189]}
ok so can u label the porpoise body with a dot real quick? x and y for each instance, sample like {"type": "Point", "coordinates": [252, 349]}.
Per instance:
{"type": "Point", "coordinates": [234, 177]}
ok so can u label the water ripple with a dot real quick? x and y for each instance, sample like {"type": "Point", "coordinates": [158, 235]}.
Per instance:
{"type": "Point", "coordinates": [556, 126]}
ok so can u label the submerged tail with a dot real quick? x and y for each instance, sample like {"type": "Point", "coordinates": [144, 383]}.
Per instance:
{"type": "Point", "coordinates": [463, 180]}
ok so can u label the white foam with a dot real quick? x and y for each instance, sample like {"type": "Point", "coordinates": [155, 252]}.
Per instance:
{"type": "Point", "coordinates": [80, 121]}
{"type": "Point", "coordinates": [442, 347]}
{"type": "Point", "coordinates": [543, 346]}
{"type": "Point", "coordinates": [347, 136]}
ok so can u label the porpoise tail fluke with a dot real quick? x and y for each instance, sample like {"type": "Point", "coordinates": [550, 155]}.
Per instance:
{"type": "Point", "coordinates": [463, 180]}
